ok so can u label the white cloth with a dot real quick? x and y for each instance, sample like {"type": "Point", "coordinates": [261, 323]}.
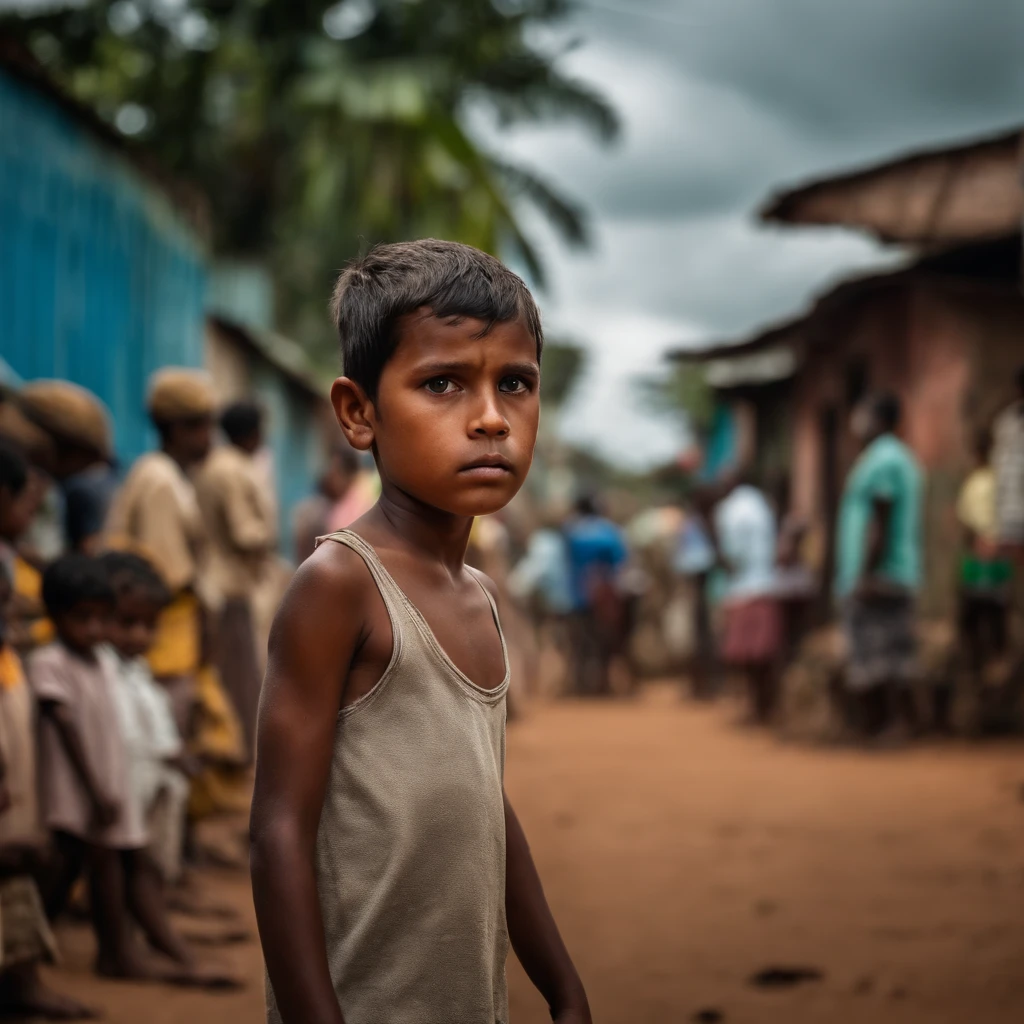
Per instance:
{"type": "Point", "coordinates": [745, 525]}
{"type": "Point", "coordinates": [149, 732]}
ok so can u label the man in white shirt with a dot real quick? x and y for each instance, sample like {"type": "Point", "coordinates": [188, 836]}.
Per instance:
{"type": "Point", "coordinates": [745, 536]}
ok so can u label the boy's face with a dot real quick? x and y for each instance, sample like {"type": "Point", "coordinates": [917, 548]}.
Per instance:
{"type": "Point", "coordinates": [18, 510]}
{"type": "Point", "coordinates": [84, 626]}
{"type": "Point", "coordinates": [456, 415]}
{"type": "Point", "coordinates": [132, 627]}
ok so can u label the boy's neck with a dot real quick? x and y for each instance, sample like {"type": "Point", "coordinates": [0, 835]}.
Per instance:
{"type": "Point", "coordinates": [434, 534]}
{"type": "Point", "coordinates": [88, 655]}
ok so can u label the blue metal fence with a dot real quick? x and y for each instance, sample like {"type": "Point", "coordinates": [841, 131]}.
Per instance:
{"type": "Point", "coordinates": [101, 280]}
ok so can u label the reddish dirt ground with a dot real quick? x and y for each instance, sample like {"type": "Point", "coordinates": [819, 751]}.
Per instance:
{"type": "Point", "coordinates": [682, 855]}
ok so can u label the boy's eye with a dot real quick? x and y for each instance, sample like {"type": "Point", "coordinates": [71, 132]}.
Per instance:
{"type": "Point", "coordinates": [439, 386]}
{"type": "Point", "coordinates": [513, 385]}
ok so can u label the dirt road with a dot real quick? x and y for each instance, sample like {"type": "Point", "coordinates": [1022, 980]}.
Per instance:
{"type": "Point", "coordinates": [683, 855]}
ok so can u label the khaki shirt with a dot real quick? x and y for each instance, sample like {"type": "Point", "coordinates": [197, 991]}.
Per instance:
{"type": "Point", "coordinates": [240, 522]}
{"type": "Point", "coordinates": [156, 510]}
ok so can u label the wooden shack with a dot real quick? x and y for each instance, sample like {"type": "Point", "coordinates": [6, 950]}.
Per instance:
{"type": "Point", "coordinates": [945, 331]}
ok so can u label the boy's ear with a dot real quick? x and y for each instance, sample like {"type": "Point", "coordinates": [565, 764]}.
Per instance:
{"type": "Point", "coordinates": [355, 413]}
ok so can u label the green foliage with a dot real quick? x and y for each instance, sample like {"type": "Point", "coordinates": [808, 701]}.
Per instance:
{"type": "Point", "coordinates": [561, 366]}
{"type": "Point", "coordinates": [319, 129]}
{"type": "Point", "coordinates": [681, 390]}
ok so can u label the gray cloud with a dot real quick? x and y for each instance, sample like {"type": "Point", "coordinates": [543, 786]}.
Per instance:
{"type": "Point", "coordinates": [723, 101]}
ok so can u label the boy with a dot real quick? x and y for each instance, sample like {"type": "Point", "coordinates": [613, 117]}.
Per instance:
{"type": "Point", "coordinates": [157, 767]}
{"type": "Point", "coordinates": [389, 869]}
{"type": "Point", "coordinates": [27, 940]}
{"type": "Point", "coordinates": [87, 797]}
{"type": "Point", "coordinates": [83, 768]}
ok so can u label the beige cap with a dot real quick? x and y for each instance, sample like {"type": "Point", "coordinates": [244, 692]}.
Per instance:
{"type": "Point", "coordinates": [68, 412]}
{"type": "Point", "coordinates": [19, 430]}
{"type": "Point", "coordinates": [179, 393]}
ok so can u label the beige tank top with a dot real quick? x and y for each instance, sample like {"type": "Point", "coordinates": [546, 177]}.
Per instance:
{"type": "Point", "coordinates": [411, 847]}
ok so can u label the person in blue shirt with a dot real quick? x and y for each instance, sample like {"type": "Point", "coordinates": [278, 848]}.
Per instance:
{"type": "Point", "coordinates": [597, 551]}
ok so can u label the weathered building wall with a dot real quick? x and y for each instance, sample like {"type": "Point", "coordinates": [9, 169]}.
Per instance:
{"type": "Point", "coordinates": [101, 279]}
{"type": "Point", "coordinates": [951, 352]}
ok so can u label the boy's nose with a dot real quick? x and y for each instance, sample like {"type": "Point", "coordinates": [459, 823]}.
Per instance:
{"type": "Point", "coordinates": [490, 422]}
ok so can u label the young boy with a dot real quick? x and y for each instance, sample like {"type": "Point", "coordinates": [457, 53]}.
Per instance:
{"type": "Point", "coordinates": [157, 765]}
{"type": "Point", "coordinates": [389, 869]}
{"type": "Point", "coordinates": [25, 937]}
{"type": "Point", "coordinates": [83, 768]}
{"type": "Point", "coordinates": [86, 788]}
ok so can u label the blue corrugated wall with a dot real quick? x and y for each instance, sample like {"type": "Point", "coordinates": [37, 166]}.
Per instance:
{"type": "Point", "coordinates": [101, 281]}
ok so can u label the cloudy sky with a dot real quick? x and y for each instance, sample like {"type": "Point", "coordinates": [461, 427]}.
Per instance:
{"type": "Point", "coordinates": [722, 101]}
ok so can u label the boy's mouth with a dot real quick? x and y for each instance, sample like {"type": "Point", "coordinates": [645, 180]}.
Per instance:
{"type": "Point", "coordinates": [488, 467]}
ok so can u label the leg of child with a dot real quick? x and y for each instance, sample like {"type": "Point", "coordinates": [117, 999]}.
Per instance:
{"type": "Point", "coordinates": [23, 993]}
{"type": "Point", "coordinates": [118, 955]}
{"type": "Point", "coordinates": [147, 906]}
{"type": "Point", "coordinates": [69, 860]}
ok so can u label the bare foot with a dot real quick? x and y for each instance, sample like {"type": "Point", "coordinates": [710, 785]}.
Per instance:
{"type": "Point", "coordinates": [191, 906]}
{"type": "Point", "coordinates": [30, 997]}
{"type": "Point", "coordinates": [128, 967]}
{"type": "Point", "coordinates": [212, 979]}
{"type": "Point", "coordinates": [233, 937]}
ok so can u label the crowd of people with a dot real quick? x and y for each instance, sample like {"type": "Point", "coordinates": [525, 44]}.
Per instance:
{"type": "Point", "coordinates": [131, 656]}
{"type": "Point", "coordinates": [741, 580]}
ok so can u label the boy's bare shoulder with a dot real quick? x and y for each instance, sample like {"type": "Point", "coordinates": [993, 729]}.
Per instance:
{"type": "Point", "coordinates": [333, 574]}
{"type": "Point", "coordinates": [488, 584]}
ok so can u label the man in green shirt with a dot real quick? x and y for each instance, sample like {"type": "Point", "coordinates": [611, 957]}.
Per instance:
{"type": "Point", "coordinates": [878, 567]}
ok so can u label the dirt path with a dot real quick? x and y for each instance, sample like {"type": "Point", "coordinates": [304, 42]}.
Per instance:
{"type": "Point", "coordinates": [683, 855]}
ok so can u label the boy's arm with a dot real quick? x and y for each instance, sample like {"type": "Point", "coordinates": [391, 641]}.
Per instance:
{"type": "Point", "coordinates": [531, 928]}
{"type": "Point", "coordinates": [534, 934]}
{"type": "Point", "coordinates": [315, 635]}
{"type": "Point", "coordinates": [106, 811]}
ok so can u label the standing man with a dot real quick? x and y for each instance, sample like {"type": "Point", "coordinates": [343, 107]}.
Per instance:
{"type": "Point", "coordinates": [78, 425]}
{"type": "Point", "coordinates": [241, 525]}
{"type": "Point", "coordinates": [1008, 466]}
{"type": "Point", "coordinates": [156, 512]}
{"type": "Point", "coordinates": [878, 569]}
{"type": "Point", "coordinates": [745, 533]}
{"type": "Point", "coordinates": [597, 551]}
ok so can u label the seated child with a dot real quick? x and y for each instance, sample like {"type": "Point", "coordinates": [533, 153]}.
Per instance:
{"type": "Point", "coordinates": [87, 796]}
{"type": "Point", "coordinates": [26, 937]}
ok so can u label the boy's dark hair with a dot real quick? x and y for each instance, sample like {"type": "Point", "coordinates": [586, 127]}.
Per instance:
{"type": "Point", "coordinates": [241, 420]}
{"type": "Point", "coordinates": [453, 280]}
{"type": "Point", "coordinates": [73, 579]}
{"type": "Point", "coordinates": [131, 573]}
{"type": "Point", "coordinates": [888, 410]}
{"type": "Point", "coordinates": [13, 470]}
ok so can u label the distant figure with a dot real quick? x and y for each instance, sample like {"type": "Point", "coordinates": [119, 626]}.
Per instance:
{"type": "Point", "coordinates": [597, 551]}
{"type": "Point", "coordinates": [26, 622]}
{"type": "Point", "coordinates": [156, 513]}
{"type": "Point", "coordinates": [84, 782]}
{"type": "Point", "coordinates": [359, 497]}
{"type": "Point", "coordinates": [310, 518]}
{"type": "Point", "coordinates": [694, 560]}
{"type": "Point", "coordinates": [878, 569]}
{"type": "Point", "coordinates": [241, 527]}
{"type": "Point", "coordinates": [78, 424]}
{"type": "Point", "coordinates": [986, 575]}
{"type": "Point", "coordinates": [745, 533]}
{"type": "Point", "coordinates": [26, 941]}
{"type": "Point", "coordinates": [1008, 466]}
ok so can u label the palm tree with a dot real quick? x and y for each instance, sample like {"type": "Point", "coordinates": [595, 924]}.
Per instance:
{"type": "Point", "coordinates": [317, 129]}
